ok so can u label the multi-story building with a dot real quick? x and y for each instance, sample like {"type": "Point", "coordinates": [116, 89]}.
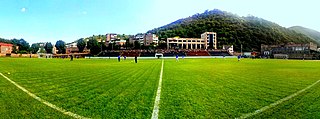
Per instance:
{"type": "Point", "coordinates": [207, 39]}
{"type": "Point", "coordinates": [185, 43]}
{"type": "Point", "coordinates": [120, 42]}
{"type": "Point", "coordinates": [140, 37]}
{"type": "Point", "coordinates": [210, 39]}
{"type": "Point", "coordinates": [291, 51]}
{"type": "Point", "coordinates": [145, 39]}
{"type": "Point", "coordinates": [110, 38]}
{"type": "Point", "coordinates": [5, 48]}
{"type": "Point", "coordinates": [228, 48]}
{"type": "Point", "coordinates": [151, 38]}
{"type": "Point", "coordinates": [71, 48]}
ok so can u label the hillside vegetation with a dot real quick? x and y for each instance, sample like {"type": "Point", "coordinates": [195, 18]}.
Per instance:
{"type": "Point", "coordinates": [231, 29]}
{"type": "Point", "coordinates": [313, 34]}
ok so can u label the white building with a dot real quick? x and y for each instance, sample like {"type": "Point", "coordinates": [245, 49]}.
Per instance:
{"type": "Point", "coordinates": [210, 39]}
{"type": "Point", "coordinates": [207, 39]}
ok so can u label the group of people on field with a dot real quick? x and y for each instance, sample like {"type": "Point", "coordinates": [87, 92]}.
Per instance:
{"type": "Point", "coordinates": [125, 57]}
{"type": "Point", "coordinates": [136, 58]}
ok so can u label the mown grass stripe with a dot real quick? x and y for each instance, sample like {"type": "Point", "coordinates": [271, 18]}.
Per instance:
{"type": "Point", "coordinates": [155, 112]}
{"type": "Point", "coordinates": [277, 102]}
{"type": "Point", "coordinates": [44, 101]}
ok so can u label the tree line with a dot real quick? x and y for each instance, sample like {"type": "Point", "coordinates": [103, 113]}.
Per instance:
{"type": "Point", "coordinates": [25, 48]}
{"type": "Point", "coordinates": [95, 44]}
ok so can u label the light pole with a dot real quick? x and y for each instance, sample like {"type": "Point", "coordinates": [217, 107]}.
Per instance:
{"type": "Point", "coordinates": [241, 49]}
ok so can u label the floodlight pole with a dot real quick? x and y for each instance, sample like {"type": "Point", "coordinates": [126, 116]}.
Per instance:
{"type": "Point", "coordinates": [241, 49]}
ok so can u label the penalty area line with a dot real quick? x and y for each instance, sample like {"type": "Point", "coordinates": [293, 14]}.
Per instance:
{"type": "Point", "coordinates": [277, 102]}
{"type": "Point", "coordinates": [155, 113]}
{"type": "Point", "coordinates": [44, 101]}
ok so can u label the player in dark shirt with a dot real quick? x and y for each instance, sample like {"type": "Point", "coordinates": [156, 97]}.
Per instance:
{"type": "Point", "coordinates": [136, 59]}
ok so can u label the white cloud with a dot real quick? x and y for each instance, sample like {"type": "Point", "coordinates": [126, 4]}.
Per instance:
{"type": "Point", "coordinates": [23, 9]}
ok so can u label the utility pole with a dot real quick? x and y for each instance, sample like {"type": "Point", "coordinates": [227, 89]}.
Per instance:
{"type": "Point", "coordinates": [241, 49]}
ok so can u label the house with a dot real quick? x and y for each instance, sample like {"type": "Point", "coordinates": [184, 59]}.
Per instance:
{"type": "Point", "coordinates": [110, 38]}
{"type": "Point", "coordinates": [71, 48]}
{"type": "Point", "coordinates": [291, 51]}
{"type": "Point", "coordinates": [5, 48]}
{"type": "Point", "coordinates": [140, 38]}
{"type": "Point", "coordinates": [151, 38]}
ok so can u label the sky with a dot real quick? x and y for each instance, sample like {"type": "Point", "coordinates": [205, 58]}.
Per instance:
{"type": "Point", "coordinates": [69, 20]}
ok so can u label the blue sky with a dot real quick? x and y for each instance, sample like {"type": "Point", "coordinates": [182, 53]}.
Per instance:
{"type": "Point", "coordinates": [69, 20]}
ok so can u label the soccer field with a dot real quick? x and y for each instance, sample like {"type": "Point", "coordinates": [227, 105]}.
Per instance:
{"type": "Point", "coordinates": [191, 88]}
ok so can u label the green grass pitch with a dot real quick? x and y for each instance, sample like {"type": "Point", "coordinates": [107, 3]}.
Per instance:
{"type": "Point", "coordinates": [191, 88]}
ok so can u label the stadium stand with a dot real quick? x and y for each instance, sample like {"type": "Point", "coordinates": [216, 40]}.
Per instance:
{"type": "Point", "coordinates": [109, 54]}
{"type": "Point", "coordinates": [130, 53]}
{"type": "Point", "coordinates": [147, 54]}
{"type": "Point", "coordinates": [219, 53]}
{"type": "Point", "coordinates": [197, 53]}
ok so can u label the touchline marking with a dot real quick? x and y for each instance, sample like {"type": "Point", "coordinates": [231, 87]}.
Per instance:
{"type": "Point", "coordinates": [155, 112]}
{"type": "Point", "coordinates": [44, 101]}
{"type": "Point", "coordinates": [276, 103]}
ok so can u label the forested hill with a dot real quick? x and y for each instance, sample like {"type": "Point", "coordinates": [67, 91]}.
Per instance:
{"type": "Point", "coordinates": [249, 31]}
{"type": "Point", "coordinates": [313, 34]}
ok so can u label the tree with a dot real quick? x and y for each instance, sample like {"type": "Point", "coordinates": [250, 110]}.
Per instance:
{"type": "Point", "coordinates": [162, 45]}
{"type": "Point", "coordinates": [81, 44]}
{"type": "Point", "coordinates": [152, 46]}
{"type": "Point", "coordinates": [137, 45]}
{"type": "Point", "coordinates": [93, 45]}
{"type": "Point", "coordinates": [15, 41]}
{"type": "Point", "coordinates": [5, 40]}
{"type": "Point", "coordinates": [34, 48]}
{"type": "Point", "coordinates": [61, 47]}
{"type": "Point", "coordinates": [14, 49]}
{"type": "Point", "coordinates": [111, 46]}
{"type": "Point", "coordinates": [127, 44]}
{"type": "Point", "coordinates": [48, 47]}
{"type": "Point", "coordinates": [22, 44]}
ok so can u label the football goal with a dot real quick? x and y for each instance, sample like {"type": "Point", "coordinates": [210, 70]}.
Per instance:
{"type": "Point", "coordinates": [44, 55]}
{"type": "Point", "coordinates": [159, 55]}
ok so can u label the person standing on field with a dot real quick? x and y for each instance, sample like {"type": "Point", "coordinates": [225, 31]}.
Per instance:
{"type": "Point", "coordinates": [177, 58]}
{"type": "Point", "coordinates": [136, 59]}
{"type": "Point", "coordinates": [239, 57]}
{"type": "Point", "coordinates": [71, 57]}
{"type": "Point", "coordinates": [119, 58]}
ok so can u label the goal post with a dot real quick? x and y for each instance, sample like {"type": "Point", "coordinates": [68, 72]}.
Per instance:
{"type": "Point", "coordinates": [158, 55]}
{"type": "Point", "coordinates": [44, 55]}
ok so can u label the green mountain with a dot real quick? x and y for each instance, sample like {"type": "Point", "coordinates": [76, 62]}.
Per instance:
{"type": "Point", "coordinates": [313, 34]}
{"type": "Point", "coordinates": [231, 29]}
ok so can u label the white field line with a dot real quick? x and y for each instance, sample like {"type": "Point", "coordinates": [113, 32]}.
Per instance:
{"type": "Point", "coordinates": [155, 112]}
{"type": "Point", "coordinates": [45, 102]}
{"type": "Point", "coordinates": [277, 102]}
